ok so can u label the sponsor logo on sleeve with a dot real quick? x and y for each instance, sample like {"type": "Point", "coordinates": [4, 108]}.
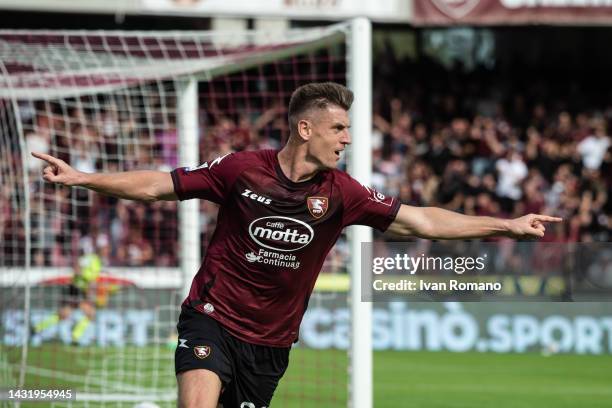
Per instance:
{"type": "Point", "coordinates": [378, 197]}
{"type": "Point", "coordinates": [201, 352]}
{"type": "Point", "coordinates": [317, 206]}
{"type": "Point", "coordinates": [206, 165]}
{"type": "Point", "coordinates": [201, 166]}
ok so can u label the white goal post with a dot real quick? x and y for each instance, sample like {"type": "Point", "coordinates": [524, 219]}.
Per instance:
{"type": "Point", "coordinates": [143, 93]}
{"type": "Point", "coordinates": [360, 165]}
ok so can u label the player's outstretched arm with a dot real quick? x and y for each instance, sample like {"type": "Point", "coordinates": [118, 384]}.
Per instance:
{"type": "Point", "coordinates": [437, 223]}
{"type": "Point", "coordinates": [142, 185]}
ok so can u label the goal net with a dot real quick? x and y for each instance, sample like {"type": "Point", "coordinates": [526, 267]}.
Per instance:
{"type": "Point", "coordinates": [91, 286]}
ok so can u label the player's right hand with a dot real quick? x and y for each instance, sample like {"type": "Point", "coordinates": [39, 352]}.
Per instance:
{"type": "Point", "coordinates": [58, 171]}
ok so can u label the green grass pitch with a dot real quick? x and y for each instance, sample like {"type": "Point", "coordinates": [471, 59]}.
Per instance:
{"type": "Point", "coordinates": [318, 378]}
{"type": "Point", "coordinates": [487, 380]}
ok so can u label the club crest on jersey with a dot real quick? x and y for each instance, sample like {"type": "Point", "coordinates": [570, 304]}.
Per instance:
{"type": "Point", "coordinates": [317, 206]}
{"type": "Point", "coordinates": [201, 352]}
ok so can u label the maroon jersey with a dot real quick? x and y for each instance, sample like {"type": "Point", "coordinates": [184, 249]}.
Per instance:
{"type": "Point", "coordinates": [271, 239]}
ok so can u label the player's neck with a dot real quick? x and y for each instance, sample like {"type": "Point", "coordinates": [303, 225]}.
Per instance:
{"type": "Point", "coordinates": [294, 163]}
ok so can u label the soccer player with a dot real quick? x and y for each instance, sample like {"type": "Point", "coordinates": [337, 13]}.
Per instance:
{"type": "Point", "coordinates": [280, 214]}
{"type": "Point", "coordinates": [77, 294]}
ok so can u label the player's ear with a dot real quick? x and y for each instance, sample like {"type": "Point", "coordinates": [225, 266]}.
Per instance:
{"type": "Point", "coordinates": [304, 129]}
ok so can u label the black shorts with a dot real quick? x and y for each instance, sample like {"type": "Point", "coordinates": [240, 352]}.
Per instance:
{"type": "Point", "coordinates": [248, 372]}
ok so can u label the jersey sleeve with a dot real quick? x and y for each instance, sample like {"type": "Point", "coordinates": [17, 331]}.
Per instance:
{"type": "Point", "coordinates": [366, 206]}
{"type": "Point", "coordinates": [210, 181]}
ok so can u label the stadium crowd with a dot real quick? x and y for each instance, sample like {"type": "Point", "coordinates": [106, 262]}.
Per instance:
{"type": "Point", "coordinates": [480, 146]}
{"type": "Point", "coordinates": [450, 140]}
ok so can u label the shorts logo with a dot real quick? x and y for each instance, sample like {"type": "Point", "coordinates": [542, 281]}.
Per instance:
{"type": "Point", "coordinates": [201, 352]}
{"type": "Point", "coordinates": [281, 233]}
{"type": "Point", "coordinates": [317, 206]}
{"type": "Point", "coordinates": [247, 404]}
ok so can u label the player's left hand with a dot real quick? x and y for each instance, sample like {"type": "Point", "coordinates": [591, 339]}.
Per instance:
{"type": "Point", "coordinates": [529, 226]}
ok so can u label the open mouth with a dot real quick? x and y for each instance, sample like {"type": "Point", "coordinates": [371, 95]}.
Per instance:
{"type": "Point", "coordinates": [337, 153]}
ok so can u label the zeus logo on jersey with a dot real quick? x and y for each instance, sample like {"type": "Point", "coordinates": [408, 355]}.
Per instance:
{"type": "Point", "coordinates": [205, 165]}
{"type": "Point", "coordinates": [281, 233]}
{"type": "Point", "coordinates": [260, 199]}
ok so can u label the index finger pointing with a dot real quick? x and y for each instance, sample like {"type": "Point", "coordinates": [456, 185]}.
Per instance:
{"type": "Point", "coordinates": [45, 157]}
{"type": "Point", "coordinates": [547, 218]}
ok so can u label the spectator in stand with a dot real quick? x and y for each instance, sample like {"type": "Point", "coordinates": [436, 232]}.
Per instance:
{"type": "Point", "coordinates": [594, 147]}
{"type": "Point", "coordinates": [484, 153]}
{"type": "Point", "coordinates": [512, 170]}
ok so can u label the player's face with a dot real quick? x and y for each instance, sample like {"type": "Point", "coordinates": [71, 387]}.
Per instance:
{"type": "Point", "coordinates": [329, 136]}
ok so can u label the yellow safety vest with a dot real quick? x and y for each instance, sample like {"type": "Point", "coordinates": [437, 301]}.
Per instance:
{"type": "Point", "coordinates": [90, 266]}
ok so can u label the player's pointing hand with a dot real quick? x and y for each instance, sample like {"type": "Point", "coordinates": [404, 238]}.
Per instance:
{"type": "Point", "coordinates": [58, 171]}
{"type": "Point", "coordinates": [530, 226]}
